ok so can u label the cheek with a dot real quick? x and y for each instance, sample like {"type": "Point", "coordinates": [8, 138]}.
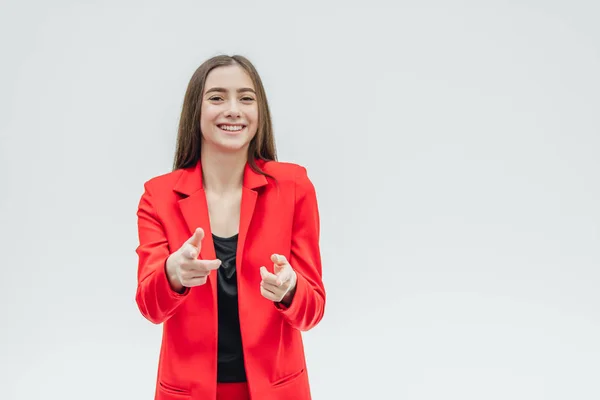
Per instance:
{"type": "Point", "coordinates": [253, 119]}
{"type": "Point", "coordinates": [209, 113]}
{"type": "Point", "coordinates": [208, 116]}
{"type": "Point", "coordinates": [253, 115]}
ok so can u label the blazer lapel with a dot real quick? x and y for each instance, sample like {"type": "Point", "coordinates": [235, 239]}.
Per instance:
{"type": "Point", "coordinates": [193, 206]}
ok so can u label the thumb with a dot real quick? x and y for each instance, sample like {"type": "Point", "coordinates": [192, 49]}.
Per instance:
{"type": "Point", "coordinates": [278, 259]}
{"type": "Point", "coordinates": [283, 273]}
{"type": "Point", "coordinates": [196, 239]}
{"type": "Point", "coordinates": [277, 268]}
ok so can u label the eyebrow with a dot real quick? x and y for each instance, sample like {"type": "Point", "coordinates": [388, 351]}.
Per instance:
{"type": "Point", "coordinates": [223, 90]}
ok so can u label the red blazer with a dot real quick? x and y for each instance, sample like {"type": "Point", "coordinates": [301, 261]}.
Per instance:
{"type": "Point", "coordinates": [278, 218]}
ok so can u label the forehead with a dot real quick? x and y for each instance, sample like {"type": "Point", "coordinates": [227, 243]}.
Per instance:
{"type": "Point", "coordinates": [230, 77]}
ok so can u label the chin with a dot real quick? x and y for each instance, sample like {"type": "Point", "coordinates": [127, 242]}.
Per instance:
{"type": "Point", "coordinates": [232, 147]}
{"type": "Point", "coordinates": [227, 144]}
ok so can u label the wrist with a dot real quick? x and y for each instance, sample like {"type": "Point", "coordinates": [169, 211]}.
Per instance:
{"type": "Point", "coordinates": [172, 278]}
{"type": "Point", "coordinates": [288, 297]}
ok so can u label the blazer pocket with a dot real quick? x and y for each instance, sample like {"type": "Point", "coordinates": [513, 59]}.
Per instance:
{"type": "Point", "coordinates": [173, 391]}
{"type": "Point", "coordinates": [287, 379]}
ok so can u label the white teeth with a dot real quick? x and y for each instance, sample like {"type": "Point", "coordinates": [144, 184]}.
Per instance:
{"type": "Point", "coordinates": [232, 128]}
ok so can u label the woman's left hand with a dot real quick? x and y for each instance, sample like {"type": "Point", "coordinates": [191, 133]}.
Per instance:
{"type": "Point", "coordinates": [280, 286]}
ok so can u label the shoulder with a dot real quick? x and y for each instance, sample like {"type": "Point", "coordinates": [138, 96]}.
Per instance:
{"type": "Point", "coordinates": [166, 180]}
{"type": "Point", "coordinates": [284, 171]}
{"type": "Point", "coordinates": [291, 173]}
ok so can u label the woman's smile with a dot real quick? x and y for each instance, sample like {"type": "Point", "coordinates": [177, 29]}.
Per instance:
{"type": "Point", "coordinates": [231, 129]}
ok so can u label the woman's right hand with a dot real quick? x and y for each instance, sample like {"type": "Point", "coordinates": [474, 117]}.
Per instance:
{"type": "Point", "coordinates": [183, 267]}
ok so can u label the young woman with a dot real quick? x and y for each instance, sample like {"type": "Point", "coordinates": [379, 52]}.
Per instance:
{"type": "Point", "coordinates": [229, 257]}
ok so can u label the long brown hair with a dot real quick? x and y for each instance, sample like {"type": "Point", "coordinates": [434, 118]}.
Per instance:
{"type": "Point", "coordinates": [189, 136]}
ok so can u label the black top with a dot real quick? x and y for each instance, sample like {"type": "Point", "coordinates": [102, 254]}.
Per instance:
{"type": "Point", "coordinates": [230, 363]}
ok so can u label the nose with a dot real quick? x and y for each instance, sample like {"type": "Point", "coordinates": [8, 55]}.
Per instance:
{"type": "Point", "coordinates": [233, 110]}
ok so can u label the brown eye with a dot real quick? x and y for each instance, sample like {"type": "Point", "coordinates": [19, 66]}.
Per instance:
{"type": "Point", "coordinates": [216, 98]}
{"type": "Point", "coordinates": [247, 99]}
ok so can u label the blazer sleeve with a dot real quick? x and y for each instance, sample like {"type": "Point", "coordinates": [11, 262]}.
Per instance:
{"type": "Point", "coordinates": [154, 296]}
{"type": "Point", "coordinates": [308, 304]}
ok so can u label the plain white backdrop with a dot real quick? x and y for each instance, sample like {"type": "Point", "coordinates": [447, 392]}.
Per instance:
{"type": "Point", "coordinates": [455, 148]}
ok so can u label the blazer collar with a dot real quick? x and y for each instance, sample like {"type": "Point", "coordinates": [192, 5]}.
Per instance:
{"type": "Point", "coordinates": [190, 180]}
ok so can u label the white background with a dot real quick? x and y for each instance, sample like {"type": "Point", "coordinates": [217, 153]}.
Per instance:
{"type": "Point", "coordinates": [455, 148]}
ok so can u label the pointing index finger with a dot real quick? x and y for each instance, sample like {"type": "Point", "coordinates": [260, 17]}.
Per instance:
{"type": "Point", "coordinates": [202, 265]}
{"type": "Point", "coordinates": [209, 265]}
{"type": "Point", "coordinates": [267, 276]}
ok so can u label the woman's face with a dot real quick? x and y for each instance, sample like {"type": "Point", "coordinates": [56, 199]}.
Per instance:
{"type": "Point", "coordinates": [229, 114]}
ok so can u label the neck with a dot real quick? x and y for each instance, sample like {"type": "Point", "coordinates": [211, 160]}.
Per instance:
{"type": "Point", "coordinates": [222, 172]}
